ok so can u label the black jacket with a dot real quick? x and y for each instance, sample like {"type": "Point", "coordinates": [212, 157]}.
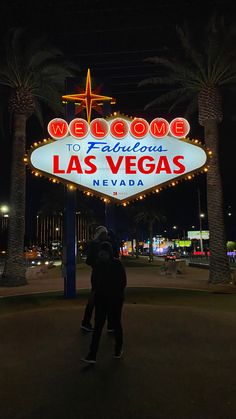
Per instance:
{"type": "Point", "coordinates": [93, 249]}
{"type": "Point", "coordinates": [109, 279]}
{"type": "Point", "coordinates": [92, 253]}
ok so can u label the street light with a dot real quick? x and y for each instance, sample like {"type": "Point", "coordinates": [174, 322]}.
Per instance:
{"type": "Point", "coordinates": [4, 209]}
{"type": "Point", "coordinates": [4, 215]}
{"type": "Point", "coordinates": [201, 216]}
{"type": "Point", "coordinates": [57, 232]}
{"type": "Point", "coordinates": [176, 229]}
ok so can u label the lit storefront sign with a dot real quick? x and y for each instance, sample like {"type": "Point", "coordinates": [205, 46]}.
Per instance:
{"type": "Point", "coordinates": [183, 243]}
{"type": "Point", "coordinates": [196, 235]}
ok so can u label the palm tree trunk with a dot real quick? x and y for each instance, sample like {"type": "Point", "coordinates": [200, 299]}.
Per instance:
{"type": "Point", "coordinates": [150, 232]}
{"type": "Point", "coordinates": [219, 271]}
{"type": "Point", "coordinates": [132, 245]}
{"type": "Point", "coordinates": [137, 243]}
{"type": "Point", "coordinates": [14, 272]}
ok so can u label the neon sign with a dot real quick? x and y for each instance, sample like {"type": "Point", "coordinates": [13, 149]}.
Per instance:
{"type": "Point", "coordinates": [88, 99]}
{"type": "Point", "coordinates": [118, 128]}
{"type": "Point", "coordinates": [118, 158]}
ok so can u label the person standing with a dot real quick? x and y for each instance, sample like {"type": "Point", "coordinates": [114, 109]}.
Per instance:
{"type": "Point", "coordinates": [115, 245]}
{"type": "Point", "coordinates": [109, 282]}
{"type": "Point", "coordinates": [100, 235]}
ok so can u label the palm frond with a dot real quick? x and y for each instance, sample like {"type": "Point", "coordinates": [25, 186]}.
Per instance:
{"type": "Point", "coordinates": [37, 67]}
{"type": "Point", "coordinates": [39, 113]}
{"type": "Point", "coordinates": [185, 96]}
{"type": "Point", "coordinates": [208, 62]}
{"type": "Point", "coordinates": [166, 97]}
{"type": "Point", "coordinates": [192, 107]}
{"type": "Point", "coordinates": [189, 49]}
{"type": "Point", "coordinates": [157, 80]}
{"type": "Point", "coordinates": [165, 62]}
{"type": "Point", "coordinates": [42, 56]}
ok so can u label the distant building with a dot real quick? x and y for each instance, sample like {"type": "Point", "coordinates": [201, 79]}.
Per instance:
{"type": "Point", "coordinates": [50, 228]}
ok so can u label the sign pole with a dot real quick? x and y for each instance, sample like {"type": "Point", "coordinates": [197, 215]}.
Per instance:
{"type": "Point", "coordinates": [69, 245]}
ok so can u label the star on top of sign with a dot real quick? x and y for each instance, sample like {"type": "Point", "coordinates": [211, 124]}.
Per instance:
{"type": "Point", "coordinates": [88, 99]}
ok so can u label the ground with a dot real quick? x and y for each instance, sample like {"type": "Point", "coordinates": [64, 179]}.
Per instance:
{"type": "Point", "coordinates": [179, 358]}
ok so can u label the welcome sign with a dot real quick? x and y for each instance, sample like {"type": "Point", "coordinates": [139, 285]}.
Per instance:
{"type": "Point", "coordinates": [118, 158]}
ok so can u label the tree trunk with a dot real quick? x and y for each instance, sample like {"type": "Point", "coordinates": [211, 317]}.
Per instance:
{"type": "Point", "coordinates": [219, 271]}
{"type": "Point", "coordinates": [132, 245]}
{"type": "Point", "coordinates": [150, 233]}
{"type": "Point", "coordinates": [137, 244]}
{"type": "Point", "coordinates": [15, 268]}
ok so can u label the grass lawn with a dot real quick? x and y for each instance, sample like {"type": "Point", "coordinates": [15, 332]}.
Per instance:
{"type": "Point", "coordinates": [154, 296]}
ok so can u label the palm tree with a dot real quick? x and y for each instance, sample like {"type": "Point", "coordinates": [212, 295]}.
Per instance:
{"type": "Point", "coordinates": [199, 78]}
{"type": "Point", "coordinates": [149, 215]}
{"type": "Point", "coordinates": [133, 227]}
{"type": "Point", "coordinates": [33, 75]}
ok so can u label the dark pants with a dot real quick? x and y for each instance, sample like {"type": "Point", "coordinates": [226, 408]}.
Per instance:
{"type": "Point", "coordinates": [105, 308]}
{"type": "Point", "coordinates": [88, 312]}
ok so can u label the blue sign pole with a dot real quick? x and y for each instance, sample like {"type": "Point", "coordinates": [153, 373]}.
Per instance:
{"type": "Point", "coordinates": [69, 245]}
{"type": "Point", "coordinates": [69, 240]}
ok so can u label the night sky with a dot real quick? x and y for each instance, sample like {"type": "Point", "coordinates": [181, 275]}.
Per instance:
{"type": "Point", "coordinates": [113, 39]}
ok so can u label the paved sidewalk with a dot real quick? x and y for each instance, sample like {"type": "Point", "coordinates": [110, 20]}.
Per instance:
{"type": "Point", "coordinates": [143, 276]}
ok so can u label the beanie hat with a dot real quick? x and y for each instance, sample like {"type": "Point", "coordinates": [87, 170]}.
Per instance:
{"type": "Point", "coordinates": [99, 230]}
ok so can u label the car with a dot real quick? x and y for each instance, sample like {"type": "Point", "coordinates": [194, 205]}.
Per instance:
{"type": "Point", "coordinates": [172, 256]}
{"type": "Point", "coordinates": [185, 254]}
